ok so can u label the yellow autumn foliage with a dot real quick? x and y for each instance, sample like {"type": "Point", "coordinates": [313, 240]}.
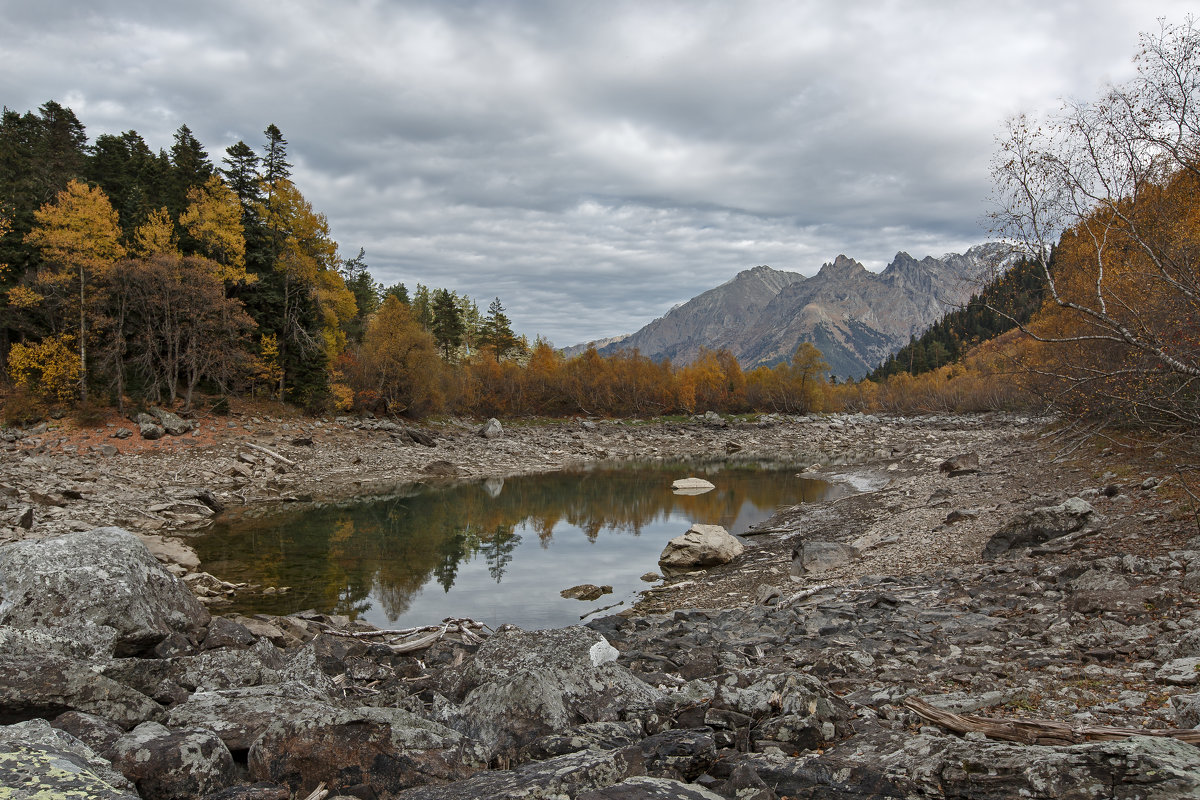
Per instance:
{"type": "Point", "coordinates": [49, 368]}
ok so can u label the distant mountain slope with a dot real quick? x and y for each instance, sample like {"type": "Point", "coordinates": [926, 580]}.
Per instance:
{"type": "Point", "coordinates": [854, 316]}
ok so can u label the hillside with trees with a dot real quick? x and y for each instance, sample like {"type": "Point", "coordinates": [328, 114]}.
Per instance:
{"type": "Point", "coordinates": [132, 277]}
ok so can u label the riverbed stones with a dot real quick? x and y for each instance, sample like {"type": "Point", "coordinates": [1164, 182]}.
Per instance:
{"type": "Point", "coordinates": [105, 577]}
{"type": "Point", "coordinates": [492, 429]}
{"type": "Point", "coordinates": [701, 546]}
{"type": "Point", "coordinates": [1041, 524]}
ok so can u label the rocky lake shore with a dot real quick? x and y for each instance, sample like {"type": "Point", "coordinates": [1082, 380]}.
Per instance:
{"type": "Point", "coordinates": [993, 611]}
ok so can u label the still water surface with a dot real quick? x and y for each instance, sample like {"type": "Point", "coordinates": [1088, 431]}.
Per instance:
{"type": "Point", "coordinates": [497, 551]}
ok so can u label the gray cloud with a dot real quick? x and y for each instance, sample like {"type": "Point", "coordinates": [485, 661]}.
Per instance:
{"type": "Point", "coordinates": [592, 163]}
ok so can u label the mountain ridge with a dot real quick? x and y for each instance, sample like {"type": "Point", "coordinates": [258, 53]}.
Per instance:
{"type": "Point", "coordinates": [856, 317]}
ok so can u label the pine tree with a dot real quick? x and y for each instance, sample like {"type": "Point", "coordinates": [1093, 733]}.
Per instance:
{"type": "Point", "coordinates": [496, 333]}
{"type": "Point", "coordinates": [190, 167]}
{"type": "Point", "coordinates": [448, 325]}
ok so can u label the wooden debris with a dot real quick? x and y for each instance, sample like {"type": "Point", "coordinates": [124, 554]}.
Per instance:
{"type": "Point", "coordinates": [466, 629]}
{"type": "Point", "coordinates": [1037, 731]}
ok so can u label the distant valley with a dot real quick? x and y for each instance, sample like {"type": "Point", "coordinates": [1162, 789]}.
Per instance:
{"type": "Point", "coordinates": [855, 317]}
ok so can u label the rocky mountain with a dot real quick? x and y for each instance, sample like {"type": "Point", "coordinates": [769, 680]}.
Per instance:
{"type": "Point", "coordinates": [854, 316]}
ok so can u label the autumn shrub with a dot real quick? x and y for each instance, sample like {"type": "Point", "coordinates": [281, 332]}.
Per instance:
{"type": "Point", "coordinates": [49, 368]}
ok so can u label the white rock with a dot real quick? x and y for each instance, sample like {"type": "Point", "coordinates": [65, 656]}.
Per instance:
{"type": "Point", "coordinates": [692, 486]}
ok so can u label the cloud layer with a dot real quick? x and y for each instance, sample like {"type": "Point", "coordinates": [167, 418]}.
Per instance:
{"type": "Point", "coordinates": [592, 163]}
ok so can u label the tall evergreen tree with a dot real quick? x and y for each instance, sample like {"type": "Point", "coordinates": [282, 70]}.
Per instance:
{"type": "Point", "coordinates": [496, 333]}
{"type": "Point", "coordinates": [190, 167]}
{"type": "Point", "coordinates": [275, 164]}
{"type": "Point", "coordinates": [241, 173]}
{"type": "Point", "coordinates": [448, 325]}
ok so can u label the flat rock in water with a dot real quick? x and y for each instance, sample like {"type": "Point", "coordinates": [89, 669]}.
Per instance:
{"type": "Point", "coordinates": [691, 486]}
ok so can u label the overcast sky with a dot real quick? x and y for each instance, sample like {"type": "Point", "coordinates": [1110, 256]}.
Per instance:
{"type": "Point", "coordinates": [592, 163]}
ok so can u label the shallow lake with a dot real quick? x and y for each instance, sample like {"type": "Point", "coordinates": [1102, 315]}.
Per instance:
{"type": "Point", "coordinates": [498, 551]}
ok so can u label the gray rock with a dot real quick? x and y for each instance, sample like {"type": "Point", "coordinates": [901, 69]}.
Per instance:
{"type": "Point", "coordinates": [46, 685]}
{"type": "Point", "coordinates": [492, 429]}
{"type": "Point", "coordinates": [239, 716]}
{"type": "Point", "coordinates": [121, 433]}
{"type": "Point", "coordinates": [148, 427]}
{"type": "Point", "coordinates": [380, 751]}
{"type": "Point", "coordinates": [1029, 528]}
{"type": "Point", "coordinates": [814, 557]}
{"type": "Point", "coordinates": [171, 423]}
{"type": "Point", "coordinates": [524, 685]}
{"type": "Point", "coordinates": [1180, 672]}
{"type": "Point", "coordinates": [961, 464]}
{"type": "Point", "coordinates": [700, 546]}
{"type": "Point", "coordinates": [173, 765]}
{"type": "Point", "coordinates": [104, 576]}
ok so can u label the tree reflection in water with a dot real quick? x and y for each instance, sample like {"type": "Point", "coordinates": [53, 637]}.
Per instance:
{"type": "Point", "coordinates": [375, 558]}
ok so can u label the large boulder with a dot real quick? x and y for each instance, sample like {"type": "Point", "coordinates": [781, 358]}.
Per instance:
{"type": "Point", "coordinates": [104, 576]}
{"type": "Point", "coordinates": [173, 765]}
{"type": "Point", "coordinates": [33, 686]}
{"type": "Point", "coordinates": [1033, 527]}
{"type": "Point", "coordinates": [368, 752]}
{"type": "Point", "coordinates": [149, 428]}
{"type": "Point", "coordinates": [171, 423]}
{"type": "Point", "coordinates": [239, 716]}
{"type": "Point", "coordinates": [702, 546]}
{"type": "Point", "coordinates": [492, 429]}
{"type": "Point", "coordinates": [523, 685]}
{"type": "Point", "coordinates": [37, 760]}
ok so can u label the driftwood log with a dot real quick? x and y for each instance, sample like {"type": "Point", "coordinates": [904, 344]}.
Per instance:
{"type": "Point", "coordinates": [1037, 731]}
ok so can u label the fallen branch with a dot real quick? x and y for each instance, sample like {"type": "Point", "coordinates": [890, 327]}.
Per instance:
{"type": "Point", "coordinates": [1037, 731]}
{"type": "Point", "coordinates": [270, 453]}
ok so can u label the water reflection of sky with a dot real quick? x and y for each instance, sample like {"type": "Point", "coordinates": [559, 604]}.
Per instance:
{"type": "Point", "coordinates": [415, 560]}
